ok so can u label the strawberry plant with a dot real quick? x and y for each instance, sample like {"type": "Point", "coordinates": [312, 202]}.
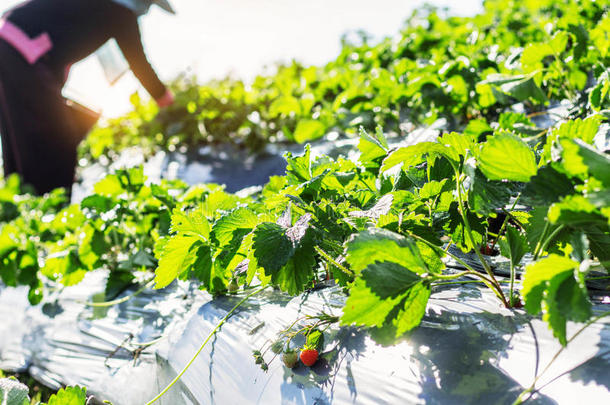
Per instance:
{"type": "Point", "coordinates": [393, 222]}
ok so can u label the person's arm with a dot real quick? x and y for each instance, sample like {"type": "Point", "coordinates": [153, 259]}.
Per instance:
{"type": "Point", "coordinates": [130, 42]}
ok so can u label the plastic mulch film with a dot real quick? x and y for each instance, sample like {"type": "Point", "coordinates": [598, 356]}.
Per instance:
{"type": "Point", "coordinates": [468, 350]}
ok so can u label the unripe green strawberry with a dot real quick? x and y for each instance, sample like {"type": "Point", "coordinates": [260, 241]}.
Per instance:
{"type": "Point", "coordinates": [290, 358]}
{"type": "Point", "coordinates": [233, 286]}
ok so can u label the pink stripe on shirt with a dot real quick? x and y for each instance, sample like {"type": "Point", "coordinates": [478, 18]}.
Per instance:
{"type": "Point", "coordinates": [31, 49]}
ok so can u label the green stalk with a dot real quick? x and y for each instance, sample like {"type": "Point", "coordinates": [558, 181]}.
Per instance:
{"type": "Point", "coordinates": [520, 398]}
{"type": "Point", "coordinates": [550, 238]}
{"type": "Point", "coordinates": [222, 321]}
{"type": "Point", "coordinates": [332, 261]}
{"type": "Point", "coordinates": [470, 271]}
{"type": "Point", "coordinates": [495, 283]}
{"type": "Point", "coordinates": [511, 291]}
{"type": "Point", "coordinates": [542, 236]}
{"type": "Point", "coordinates": [505, 221]}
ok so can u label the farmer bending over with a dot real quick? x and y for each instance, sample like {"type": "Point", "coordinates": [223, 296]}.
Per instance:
{"type": "Point", "coordinates": [39, 41]}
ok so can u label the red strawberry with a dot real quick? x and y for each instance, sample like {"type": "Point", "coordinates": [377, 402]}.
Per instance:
{"type": "Point", "coordinates": [290, 358]}
{"type": "Point", "coordinates": [309, 356]}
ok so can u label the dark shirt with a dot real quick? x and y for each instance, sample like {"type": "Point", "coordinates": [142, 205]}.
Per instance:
{"type": "Point", "coordinates": [78, 27]}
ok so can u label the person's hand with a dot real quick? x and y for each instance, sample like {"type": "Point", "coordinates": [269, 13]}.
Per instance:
{"type": "Point", "coordinates": [166, 99]}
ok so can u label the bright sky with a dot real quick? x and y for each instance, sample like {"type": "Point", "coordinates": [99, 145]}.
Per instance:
{"type": "Point", "coordinates": [213, 38]}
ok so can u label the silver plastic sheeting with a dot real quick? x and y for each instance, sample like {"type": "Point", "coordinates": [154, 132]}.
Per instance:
{"type": "Point", "coordinates": [65, 342]}
{"type": "Point", "coordinates": [468, 350]}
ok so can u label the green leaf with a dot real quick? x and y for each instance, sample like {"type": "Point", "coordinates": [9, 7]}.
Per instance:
{"type": "Point", "coordinates": [413, 309]}
{"type": "Point", "coordinates": [272, 248]}
{"type": "Point", "coordinates": [506, 157]}
{"type": "Point", "coordinates": [98, 203]}
{"type": "Point", "coordinates": [287, 255]}
{"type": "Point", "coordinates": [68, 219]}
{"type": "Point", "coordinates": [525, 89]}
{"type": "Point", "coordinates": [537, 276]}
{"type": "Point", "coordinates": [192, 223]}
{"type": "Point", "coordinates": [177, 256]}
{"type": "Point", "coordinates": [92, 247]}
{"type": "Point", "coordinates": [315, 339]}
{"type": "Point", "coordinates": [298, 272]}
{"type": "Point", "coordinates": [457, 230]}
{"type": "Point", "coordinates": [12, 392]}
{"type": "Point", "coordinates": [411, 155]}
{"type": "Point", "coordinates": [431, 189]}
{"type": "Point", "coordinates": [377, 245]}
{"type": "Point", "coordinates": [69, 396]}
{"type": "Point", "coordinates": [213, 275]}
{"type": "Point", "coordinates": [546, 187]}
{"type": "Point", "coordinates": [486, 196]}
{"type": "Point", "coordinates": [579, 129]}
{"type": "Point", "coordinates": [559, 42]}
{"type": "Point", "coordinates": [217, 202]}
{"type": "Point", "coordinates": [554, 286]}
{"type": "Point", "coordinates": [579, 158]}
{"type": "Point", "coordinates": [382, 287]}
{"type": "Point", "coordinates": [575, 211]}
{"type": "Point", "coordinates": [109, 186]}
{"type": "Point", "coordinates": [371, 148]}
{"type": "Point", "coordinates": [309, 130]}
{"type": "Point", "coordinates": [233, 225]}
{"type": "Point", "coordinates": [514, 246]}
{"type": "Point", "coordinates": [65, 267]}
{"type": "Point", "coordinates": [457, 144]}
{"type": "Point", "coordinates": [117, 282]}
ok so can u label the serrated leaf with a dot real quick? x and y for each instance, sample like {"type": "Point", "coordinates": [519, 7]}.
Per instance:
{"type": "Point", "coordinates": [233, 225]}
{"type": "Point", "coordinates": [272, 248]}
{"type": "Point", "coordinates": [12, 392]}
{"type": "Point", "coordinates": [205, 269]}
{"type": "Point", "coordinates": [192, 223]}
{"type": "Point", "coordinates": [381, 287]}
{"type": "Point", "coordinates": [377, 245]}
{"type": "Point", "coordinates": [525, 89]}
{"type": "Point", "coordinates": [514, 246]}
{"type": "Point", "coordinates": [69, 396]}
{"type": "Point", "coordinates": [537, 277]}
{"type": "Point", "coordinates": [554, 286]}
{"type": "Point", "coordinates": [506, 157]}
{"type": "Point", "coordinates": [411, 155]}
{"type": "Point", "coordinates": [178, 254]}
{"type": "Point", "coordinates": [486, 196]}
{"type": "Point", "coordinates": [109, 186]}
{"type": "Point", "coordinates": [432, 189]}
{"type": "Point", "coordinates": [295, 275]}
{"type": "Point", "coordinates": [546, 187]}
{"type": "Point", "coordinates": [162, 195]}
{"type": "Point", "coordinates": [413, 309]}
{"type": "Point", "coordinates": [579, 129]}
{"type": "Point", "coordinates": [579, 158]}
{"type": "Point", "coordinates": [457, 144]}
{"type": "Point", "coordinates": [575, 211]}
{"type": "Point", "coordinates": [371, 148]}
